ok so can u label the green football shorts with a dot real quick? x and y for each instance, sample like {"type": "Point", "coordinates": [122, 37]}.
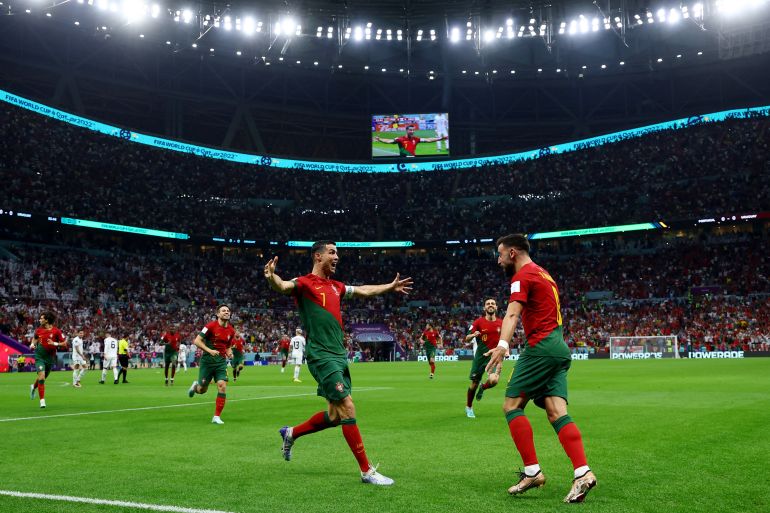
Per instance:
{"type": "Point", "coordinates": [332, 376]}
{"type": "Point", "coordinates": [212, 369]}
{"type": "Point", "coordinates": [537, 377]}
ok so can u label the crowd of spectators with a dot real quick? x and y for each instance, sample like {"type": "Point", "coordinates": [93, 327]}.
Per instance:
{"type": "Point", "coordinates": [710, 291]}
{"type": "Point", "coordinates": [50, 167]}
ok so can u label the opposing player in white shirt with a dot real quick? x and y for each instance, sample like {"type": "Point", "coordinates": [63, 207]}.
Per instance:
{"type": "Point", "coordinates": [182, 358]}
{"type": "Point", "coordinates": [297, 353]}
{"type": "Point", "coordinates": [442, 130]}
{"type": "Point", "coordinates": [110, 360]}
{"type": "Point", "coordinates": [79, 360]}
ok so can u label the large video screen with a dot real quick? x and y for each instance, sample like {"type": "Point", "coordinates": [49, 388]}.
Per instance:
{"type": "Point", "coordinates": [410, 135]}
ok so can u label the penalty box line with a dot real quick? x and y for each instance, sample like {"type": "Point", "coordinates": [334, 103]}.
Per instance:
{"type": "Point", "coordinates": [183, 405]}
{"type": "Point", "coordinates": [123, 504]}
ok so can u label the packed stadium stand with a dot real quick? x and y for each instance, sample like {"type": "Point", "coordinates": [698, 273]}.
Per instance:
{"type": "Point", "coordinates": [87, 175]}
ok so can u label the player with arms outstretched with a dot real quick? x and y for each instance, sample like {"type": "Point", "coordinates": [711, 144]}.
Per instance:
{"type": "Point", "coordinates": [45, 341]}
{"type": "Point", "coordinates": [540, 374]}
{"type": "Point", "coordinates": [318, 298]}
{"type": "Point", "coordinates": [171, 340]}
{"type": "Point", "coordinates": [486, 329]}
{"type": "Point", "coordinates": [407, 144]}
{"type": "Point", "coordinates": [215, 341]}
{"type": "Point", "coordinates": [431, 339]}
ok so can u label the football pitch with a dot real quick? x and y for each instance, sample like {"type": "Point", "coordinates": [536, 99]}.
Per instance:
{"type": "Point", "coordinates": [669, 435]}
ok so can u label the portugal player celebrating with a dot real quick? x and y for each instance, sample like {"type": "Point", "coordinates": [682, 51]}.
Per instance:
{"type": "Point", "coordinates": [487, 329]}
{"type": "Point", "coordinates": [407, 144]}
{"type": "Point", "coordinates": [215, 341]}
{"type": "Point", "coordinates": [45, 341]}
{"type": "Point", "coordinates": [541, 371]}
{"type": "Point", "coordinates": [318, 299]}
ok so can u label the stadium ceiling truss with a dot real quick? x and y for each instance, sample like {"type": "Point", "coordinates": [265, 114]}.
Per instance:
{"type": "Point", "coordinates": [499, 98]}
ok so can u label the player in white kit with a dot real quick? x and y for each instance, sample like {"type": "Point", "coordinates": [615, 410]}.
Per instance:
{"type": "Point", "coordinates": [442, 130]}
{"type": "Point", "coordinates": [110, 360]}
{"type": "Point", "coordinates": [182, 356]}
{"type": "Point", "coordinates": [297, 353]}
{"type": "Point", "coordinates": [79, 360]}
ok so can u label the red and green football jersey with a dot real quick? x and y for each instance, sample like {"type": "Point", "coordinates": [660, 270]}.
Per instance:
{"type": "Point", "coordinates": [490, 331]}
{"type": "Point", "coordinates": [238, 344]}
{"type": "Point", "coordinates": [218, 338]}
{"type": "Point", "coordinates": [537, 291]}
{"type": "Point", "coordinates": [318, 300]}
{"type": "Point", "coordinates": [430, 337]}
{"type": "Point", "coordinates": [172, 341]}
{"type": "Point", "coordinates": [47, 337]}
{"type": "Point", "coordinates": [407, 146]}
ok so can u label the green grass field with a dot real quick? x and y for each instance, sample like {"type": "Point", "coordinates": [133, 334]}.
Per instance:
{"type": "Point", "coordinates": [391, 150]}
{"type": "Point", "coordinates": [671, 435]}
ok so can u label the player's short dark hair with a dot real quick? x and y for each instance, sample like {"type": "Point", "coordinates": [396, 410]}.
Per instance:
{"type": "Point", "coordinates": [319, 246]}
{"type": "Point", "coordinates": [515, 240]}
{"type": "Point", "coordinates": [220, 305]}
{"type": "Point", "coordinates": [49, 317]}
{"type": "Point", "coordinates": [489, 299]}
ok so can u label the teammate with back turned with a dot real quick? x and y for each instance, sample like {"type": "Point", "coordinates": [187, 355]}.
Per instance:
{"type": "Point", "coordinates": [318, 299]}
{"type": "Point", "coordinates": [215, 341]}
{"type": "Point", "coordinates": [44, 342]}
{"type": "Point", "coordinates": [540, 374]}
{"type": "Point", "coordinates": [485, 329]}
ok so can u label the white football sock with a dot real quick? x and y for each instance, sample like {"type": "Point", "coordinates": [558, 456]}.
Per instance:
{"type": "Point", "coordinates": [80, 374]}
{"type": "Point", "coordinates": [104, 374]}
{"type": "Point", "coordinates": [531, 470]}
{"type": "Point", "coordinates": [115, 372]}
{"type": "Point", "coordinates": [74, 376]}
{"type": "Point", "coordinates": [580, 471]}
{"type": "Point", "coordinates": [296, 372]}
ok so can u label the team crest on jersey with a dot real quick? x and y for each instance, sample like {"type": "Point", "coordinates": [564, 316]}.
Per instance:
{"type": "Point", "coordinates": [339, 387]}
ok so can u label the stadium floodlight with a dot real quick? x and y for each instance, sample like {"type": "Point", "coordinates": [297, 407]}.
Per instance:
{"type": "Point", "coordinates": [685, 12]}
{"type": "Point", "coordinates": [366, 67]}
{"type": "Point", "coordinates": [228, 23]}
{"type": "Point", "coordinates": [595, 25]}
{"type": "Point", "coordinates": [679, 56]}
{"type": "Point", "coordinates": [469, 35]}
{"type": "Point", "coordinates": [102, 5]}
{"type": "Point", "coordinates": [562, 27]}
{"type": "Point", "coordinates": [319, 32]}
{"type": "Point", "coordinates": [674, 16]}
{"type": "Point", "coordinates": [238, 53]}
{"type": "Point", "coordinates": [347, 33]}
{"type": "Point", "coordinates": [509, 33]}
{"type": "Point", "coordinates": [489, 36]}
{"type": "Point", "coordinates": [399, 34]}
{"type": "Point", "coordinates": [238, 24]}
{"type": "Point", "coordinates": [278, 29]}
{"type": "Point", "coordinates": [650, 17]}
{"type": "Point", "coordinates": [187, 16]}
{"type": "Point", "coordinates": [155, 10]}
{"type": "Point", "coordinates": [542, 29]}
{"type": "Point", "coordinates": [259, 26]}
{"type": "Point", "coordinates": [513, 72]}
{"type": "Point", "coordinates": [622, 63]}
{"type": "Point", "coordinates": [48, 15]}
{"type": "Point", "coordinates": [573, 27]}
{"type": "Point", "coordinates": [454, 35]}
{"type": "Point", "coordinates": [697, 11]}
{"type": "Point", "coordinates": [369, 25]}
{"type": "Point", "coordinates": [509, 22]}
{"type": "Point", "coordinates": [211, 50]}
{"type": "Point", "coordinates": [299, 62]}
{"type": "Point", "coordinates": [315, 63]}
{"type": "Point", "coordinates": [583, 24]}
{"type": "Point", "coordinates": [298, 31]}
{"type": "Point", "coordinates": [432, 35]}
{"type": "Point", "coordinates": [77, 23]}
{"type": "Point", "coordinates": [168, 42]}
{"type": "Point", "coordinates": [368, 33]}
{"type": "Point", "coordinates": [384, 70]}
{"type": "Point", "coordinates": [700, 53]}
{"type": "Point", "coordinates": [499, 33]}
{"type": "Point", "coordinates": [604, 66]}
{"type": "Point", "coordinates": [660, 59]}
{"type": "Point", "coordinates": [248, 25]}
{"type": "Point", "coordinates": [195, 45]}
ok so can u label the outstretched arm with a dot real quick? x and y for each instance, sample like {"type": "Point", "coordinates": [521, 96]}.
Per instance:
{"type": "Point", "coordinates": [402, 285]}
{"type": "Point", "coordinates": [433, 139]}
{"type": "Point", "coordinates": [386, 141]}
{"type": "Point", "coordinates": [276, 283]}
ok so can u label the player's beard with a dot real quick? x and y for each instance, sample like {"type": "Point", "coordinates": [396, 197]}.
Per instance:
{"type": "Point", "coordinates": [509, 270]}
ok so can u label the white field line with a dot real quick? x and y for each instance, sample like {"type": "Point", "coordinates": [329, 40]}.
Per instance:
{"type": "Point", "coordinates": [183, 405]}
{"type": "Point", "coordinates": [123, 504]}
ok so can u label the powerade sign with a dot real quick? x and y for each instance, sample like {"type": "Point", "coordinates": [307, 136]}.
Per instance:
{"type": "Point", "coordinates": [715, 354]}
{"type": "Point", "coordinates": [575, 356]}
{"type": "Point", "coordinates": [449, 358]}
{"type": "Point", "coordinates": [340, 167]}
{"type": "Point", "coordinates": [637, 356]}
